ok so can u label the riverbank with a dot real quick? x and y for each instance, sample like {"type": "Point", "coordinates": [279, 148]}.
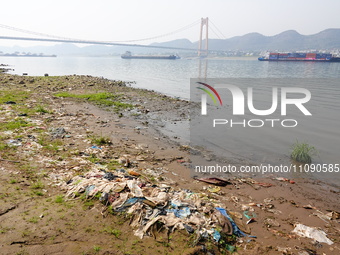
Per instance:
{"type": "Point", "coordinates": [56, 133]}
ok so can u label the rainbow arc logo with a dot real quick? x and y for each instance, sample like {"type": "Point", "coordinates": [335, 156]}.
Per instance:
{"type": "Point", "coordinates": [209, 93]}
{"type": "Point", "coordinates": [212, 93]}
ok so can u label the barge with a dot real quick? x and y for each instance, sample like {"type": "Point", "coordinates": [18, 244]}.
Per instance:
{"type": "Point", "coordinates": [128, 55]}
{"type": "Point", "coordinates": [313, 57]}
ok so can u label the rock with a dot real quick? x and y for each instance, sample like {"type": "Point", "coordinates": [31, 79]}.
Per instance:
{"type": "Point", "coordinates": [58, 132]}
{"type": "Point", "coordinates": [269, 222]}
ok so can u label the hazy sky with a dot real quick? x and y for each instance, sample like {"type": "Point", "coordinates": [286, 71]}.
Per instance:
{"type": "Point", "coordinates": [112, 20]}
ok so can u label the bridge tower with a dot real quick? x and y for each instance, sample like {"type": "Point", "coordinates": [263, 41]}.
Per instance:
{"type": "Point", "coordinates": [203, 52]}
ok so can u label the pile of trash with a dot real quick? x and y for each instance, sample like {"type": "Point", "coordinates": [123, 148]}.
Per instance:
{"type": "Point", "coordinates": [148, 204]}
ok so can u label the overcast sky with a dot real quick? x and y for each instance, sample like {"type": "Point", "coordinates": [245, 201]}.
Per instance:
{"type": "Point", "coordinates": [112, 20]}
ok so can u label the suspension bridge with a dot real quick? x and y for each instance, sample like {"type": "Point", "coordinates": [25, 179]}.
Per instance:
{"type": "Point", "coordinates": [202, 50]}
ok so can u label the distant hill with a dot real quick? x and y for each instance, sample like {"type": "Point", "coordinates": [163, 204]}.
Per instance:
{"type": "Point", "coordinates": [179, 43]}
{"type": "Point", "coordinates": [286, 41]}
{"type": "Point", "coordinates": [289, 40]}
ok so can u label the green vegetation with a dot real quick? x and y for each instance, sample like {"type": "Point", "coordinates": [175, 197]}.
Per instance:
{"type": "Point", "coordinates": [37, 185]}
{"type": "Point", "coordinates": [88, 204]}
{"type": "Point", "coordinates": [3, 230]}
{"type": "Point", "coordinates": [41, 109]}
{"type": "Point", "coordinates": [3, 146]}
{"type": "Point", "coordinates": [101, 140]}
{"type": "Point", "coordinates": [33, 220]}
{"type": "Point", "coordinates": [54, 145]}
{"type": "Point", "coordinates": [97, 248]}
{"type": "Point", "coordinates": [14, 96]}
{"type": "Point", "coordinates": [59, 199]}
{"type": "Point", "coordinates": [303, 152]}
{"type": "Point", "coordinates": [38, 193]}
{"type": "Point", "coordinates": [111, 231]}
{"type": "Point", "coordinates": [26, 233]}
{"type": "Point", "coordinates": [12, 125]}
{"type": "Point", "coordinates": [102, 98]}
{"type": "Point", "coordinates": [94, 159]}
{"type": "Point", "coordinates": [18, 98]}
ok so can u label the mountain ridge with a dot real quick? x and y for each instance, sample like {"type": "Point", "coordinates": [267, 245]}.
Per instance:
{"type": "Point", "coordinates": [289, 40]}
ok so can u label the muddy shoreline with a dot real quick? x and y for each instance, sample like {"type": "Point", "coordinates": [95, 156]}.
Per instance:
{"type": "Point", "coordinates": [48, 160]}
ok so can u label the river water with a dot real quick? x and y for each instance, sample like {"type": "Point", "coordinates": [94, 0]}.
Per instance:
{"type": "Point", "coordinates": [172, 77]}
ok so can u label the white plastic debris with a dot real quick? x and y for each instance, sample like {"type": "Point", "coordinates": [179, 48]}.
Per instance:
{"type": "Point", "coordinates": [310, 232]}
{"type": "Point", "coordinates": [135, 190]}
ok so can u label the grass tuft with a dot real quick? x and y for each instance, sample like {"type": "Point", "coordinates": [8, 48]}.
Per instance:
{"type": "Point", "coordinates": [97, 248]}
{"type": "Point", "coordinates": [101, 140]}
{"type": "Point", "coordinates": [114, 232]}
{"type": "Point", "coordinates": [59, 199]}
{"type": "Point", "coordinates": [303, 152]}
{"type": "Point", "coordinates": [37, 185]}
{"type": "Point", "coordinates": [41, 109]}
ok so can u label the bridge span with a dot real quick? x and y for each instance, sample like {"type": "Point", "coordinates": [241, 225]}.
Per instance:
{"type": "Point", "coordinates": [202, 52]}
{"type": "Point", "coordinates": [91, 42]}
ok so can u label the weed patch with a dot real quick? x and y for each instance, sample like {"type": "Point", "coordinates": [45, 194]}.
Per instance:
{"type": "Point", "coordinates": [97, 248]}
{"type": "Point", "coordinates": [37, 185]}
{"type": "Point", "coordinates": [33, 220]}
{"type": "Point", "coordinates": [13, 96]}
{"type": "Point", "coordinates": [303, 152]}
{"type": "Point", "coordinates": [112, 231]}
{"type": "Point", "coordinates": [59, 199]}
{"type": "Point", "coordinates": [102, 98]}
{"type": "Point", "coordinates": [12, 125]}
{"type": "Point", "coordinates": [41, 109]}
{"type": "Point", "coordinates": [101, 140]}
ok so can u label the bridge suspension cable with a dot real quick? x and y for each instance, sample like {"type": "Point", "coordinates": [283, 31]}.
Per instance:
{"type": "Point", "coordinates": [54, 38]}
{"type": "Point", "coordinates": [219, 31]}
{"type": "Point", "coordinates": [121, 41]}
{"type": "Point", "coordinates": [164, 35]}
{"type": "Point", "coordinates": [35, 33]}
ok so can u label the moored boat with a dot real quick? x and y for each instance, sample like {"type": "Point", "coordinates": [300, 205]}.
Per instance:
{"type": "Point", "coordinates": [313, 57]}
{"type": "Point", "coordinates": [128, 55]}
